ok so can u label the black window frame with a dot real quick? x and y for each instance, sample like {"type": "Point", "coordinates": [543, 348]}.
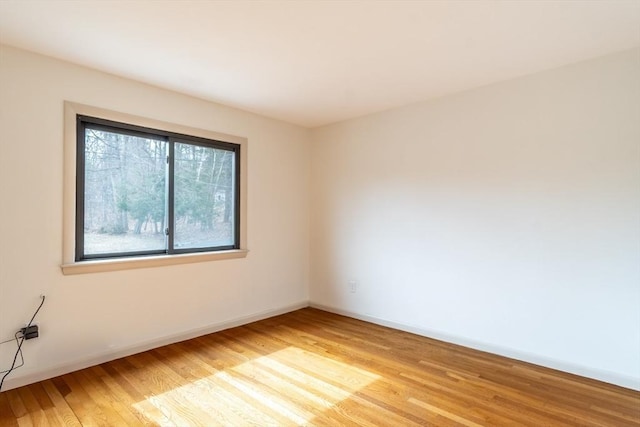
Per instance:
{"type": "Point", "coordinates": [171, 138]}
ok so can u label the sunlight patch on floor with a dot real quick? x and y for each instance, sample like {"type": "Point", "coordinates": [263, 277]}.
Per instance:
{"type": "Point", "coordinates": [288, 386]}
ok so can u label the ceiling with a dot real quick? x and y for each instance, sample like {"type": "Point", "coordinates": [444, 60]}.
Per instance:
{"type": "Point", "coordinates": [317, 62]}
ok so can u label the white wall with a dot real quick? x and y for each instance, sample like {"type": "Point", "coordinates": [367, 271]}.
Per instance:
{"type": "Point", "coordinates": [506, 218]}
{"type": "Point", "coordinates": [95, 316]}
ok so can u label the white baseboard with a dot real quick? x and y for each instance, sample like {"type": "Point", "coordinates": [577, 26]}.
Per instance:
{"type": "Point", "coordinates": [99, 358]}
{"type": "Point", "coordinates": [96, 359]}
{"type": "Point", "coordinates": [597, 374]}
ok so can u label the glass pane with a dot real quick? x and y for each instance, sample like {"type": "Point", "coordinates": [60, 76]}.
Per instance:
{"type": "Point", "coordinates": [203, 197]}
{"type": "Point", "coordinates": [124, 197]}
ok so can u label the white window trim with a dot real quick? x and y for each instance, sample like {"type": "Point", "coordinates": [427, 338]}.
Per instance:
{"type": "Point", "coordinates": [69, 265]}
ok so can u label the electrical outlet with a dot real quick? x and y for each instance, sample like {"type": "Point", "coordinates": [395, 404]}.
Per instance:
{"type": "Point", "coordinates": [353, 286]}
{"type": "Point", "coordinates": [30, 332]}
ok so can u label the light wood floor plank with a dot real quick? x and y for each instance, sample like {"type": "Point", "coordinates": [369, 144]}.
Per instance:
{"type": "Point", "coordinates": [7, 417]}
{"type": "Point", "coordinates": [60, 406]}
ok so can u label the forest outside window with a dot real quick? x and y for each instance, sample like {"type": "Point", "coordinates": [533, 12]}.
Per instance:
{"type": "Point", "coordinates": [142, 191]}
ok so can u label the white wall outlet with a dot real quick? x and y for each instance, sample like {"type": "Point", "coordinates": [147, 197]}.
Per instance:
{"type": "Point", "coordinates": [353, 286]}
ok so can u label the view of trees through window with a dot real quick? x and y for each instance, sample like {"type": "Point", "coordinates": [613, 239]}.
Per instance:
{"type": "Point", "coordinates": [126, 194]}
{"type": "Point", "coordinates": [203, 196]}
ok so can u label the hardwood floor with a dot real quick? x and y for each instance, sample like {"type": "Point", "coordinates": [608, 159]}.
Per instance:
{"type": "Point", "coordinates": [310, 367]}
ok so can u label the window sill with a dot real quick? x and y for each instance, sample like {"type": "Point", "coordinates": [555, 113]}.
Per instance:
{"type": "Point", "coordinates": [102, 265]}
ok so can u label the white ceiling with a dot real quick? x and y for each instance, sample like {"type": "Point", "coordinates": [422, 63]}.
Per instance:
{"type": "Point", "coordinates": [317, 62]}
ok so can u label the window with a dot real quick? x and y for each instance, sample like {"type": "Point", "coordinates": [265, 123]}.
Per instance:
{"type": "Point", "coordinates": [146, 189]}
